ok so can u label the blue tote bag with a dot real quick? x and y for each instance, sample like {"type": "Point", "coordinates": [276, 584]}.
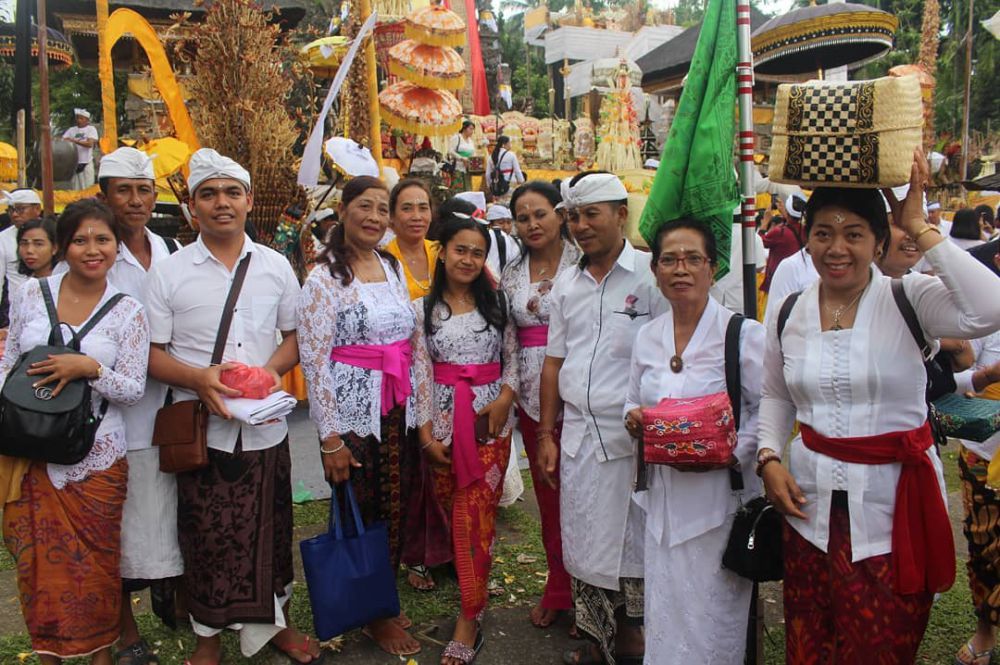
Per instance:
{"type": "Point", "coordinates": [350, 577]}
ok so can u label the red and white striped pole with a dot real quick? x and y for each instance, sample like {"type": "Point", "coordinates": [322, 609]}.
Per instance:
{"type": "Point", "coordinates": [748, 207]}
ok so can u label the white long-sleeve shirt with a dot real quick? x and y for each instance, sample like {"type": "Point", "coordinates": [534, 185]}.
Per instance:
{"type": "Point", "coordinates": [864, 381]}
{"type": "Point", "coordinates": [509, 166]}
{"type": "Point", "coordinates": [680, 506]}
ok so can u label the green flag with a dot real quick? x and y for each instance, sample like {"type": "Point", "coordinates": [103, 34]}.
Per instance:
{"type": "Point", "coordinates": [696, 177]}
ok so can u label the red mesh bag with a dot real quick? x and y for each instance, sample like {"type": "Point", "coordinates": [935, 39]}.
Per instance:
{"type": "Point", "coordinates": [253, 382]}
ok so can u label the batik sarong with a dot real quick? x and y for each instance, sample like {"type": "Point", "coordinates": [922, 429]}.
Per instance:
{"type": "Point", "coordinates": [598, 610]}
{"type": "Point", "coordinates": [473, 511]}
{"type": "Point", "coordinates": [67, 546]}
{"type": "Point", "coordinates": [839, 611]}
{"type": "Point", "coordinates": [383, 482]}
{"type": "Point", "coordinates": [234, 524]}
{"type": "Point", "coordinates": [982, 533]}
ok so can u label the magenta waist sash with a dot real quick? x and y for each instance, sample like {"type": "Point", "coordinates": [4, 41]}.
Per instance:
{"type": "Point", "coordinates": [393, 360]}
{"type": "Point", "coordinates": [464, 453]}
{"type": "Point", "coordinates": [533, 335]}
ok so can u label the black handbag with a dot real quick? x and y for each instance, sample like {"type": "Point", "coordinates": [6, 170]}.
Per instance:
{"type": "Point", "coordinates": [36, 425]}
{"type": "Point", "coordinates": [754, 548]}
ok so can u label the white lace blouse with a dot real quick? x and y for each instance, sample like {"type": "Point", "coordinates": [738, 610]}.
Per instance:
{"type": "Point", "coordinates": [463, 339]}
{"type": "Point", "coordinates": [529, 305]}
{"type": "Point", "coordinates": [120, 342]}
{"type": "Point", "coordinates": [344, 398]}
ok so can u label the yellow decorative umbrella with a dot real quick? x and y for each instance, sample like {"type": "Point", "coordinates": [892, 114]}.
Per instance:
{"type": "Point", "coordinates": [169, 155]}
{"type": "Point", "coordinates": [8, 162]}
{"type": "Point", "coordinates": [439, 67]}
{"type": "Point", "coordinates": [435, 25]}
{"type": "Point", "coordinates": [419, 110]}
{"type": "Point", "coordinates": [324, 55]}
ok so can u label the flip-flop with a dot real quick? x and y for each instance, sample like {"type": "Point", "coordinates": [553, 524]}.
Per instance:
{"type": "Point", "coordinates": [367, 633]}
{"type": "Point", "coordinates": [588, 654]}
{"type": "Point", "coordinates": [463, 652]}
{"type": "Point", "coordinates": [302, 648]}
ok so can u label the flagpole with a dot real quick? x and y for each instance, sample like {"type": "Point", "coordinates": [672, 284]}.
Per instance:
{"type": "Point", "coordinates": [748, 208]}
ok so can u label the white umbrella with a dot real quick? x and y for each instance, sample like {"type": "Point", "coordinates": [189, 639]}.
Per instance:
{"type": "Point", "coordinates": [351, 158]}
{"type": "Point", "coordinates": [993, 24]}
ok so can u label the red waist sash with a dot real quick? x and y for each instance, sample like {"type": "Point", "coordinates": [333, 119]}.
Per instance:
{"type": "Point", "coordinates": [529, 336]}
{"type": "Point", "coordinates": [923, 551]}
{"type": "Point", "coordinates": [464, 452]}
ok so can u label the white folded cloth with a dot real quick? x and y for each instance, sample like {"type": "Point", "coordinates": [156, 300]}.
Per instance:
{"type": "Point", "coordinates": [259, 411]}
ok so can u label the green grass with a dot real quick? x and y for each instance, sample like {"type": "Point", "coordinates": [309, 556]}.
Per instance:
{"type": "Point", "coordinates": [518, 534]}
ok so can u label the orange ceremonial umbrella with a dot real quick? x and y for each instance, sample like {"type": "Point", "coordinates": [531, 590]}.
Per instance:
{"type": "Point", "coordinates": [438, 67]}
{"type": "Point", "coordinates": [420, 110]}
{"type": "Point", "coordinates": [435, 25]}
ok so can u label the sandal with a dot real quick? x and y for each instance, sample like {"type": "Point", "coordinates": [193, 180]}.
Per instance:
{"type": "Point", "coordinates": [423, 573]}
{"type": "Point", "coordinates": [463, 652]}
{"type": "Point", "coordinates": [302, 648]}
{"type": "Point", "coordinates": [977, 656]}
{"type": "Point", "coordinates": [138, 653]}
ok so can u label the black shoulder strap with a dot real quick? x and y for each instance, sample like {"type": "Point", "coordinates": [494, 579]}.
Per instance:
{"type": "Point", "coordinates": [172, 244]}
{"type": "Point", "coordinates": [50, 305]}
{"type": "Point", "coordinates": [501, 248]}
{"type": "Point", "coordinates": [910, 317]}
{"type": "Point", "coordinates": [229, 309]}
{"type": "Point", "coordinates": [733, 384]}
{"type": "Point", "coordinates": [785, 312]}
{"type": "Point", "coordinates": [100, 314]}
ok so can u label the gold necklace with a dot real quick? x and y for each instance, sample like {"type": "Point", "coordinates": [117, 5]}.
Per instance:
{"type": "Point", "coordinates": [839, 311]}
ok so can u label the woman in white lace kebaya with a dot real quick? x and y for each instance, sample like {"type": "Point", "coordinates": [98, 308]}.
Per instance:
{"type": "Point", "coordinates": [63, 523]}
{"type": "Point", "coordinates": [467, 354]}
{"type": "Point", "coordinates": [356, 325]}
{"type": "Point", "coordinates": [527, 283]}
{"type": "Point", "coordinates": [689, 515]}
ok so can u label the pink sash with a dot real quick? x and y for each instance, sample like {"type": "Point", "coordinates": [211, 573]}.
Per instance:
{"type": "Point", "coordinates": [533, 335]}
{"type": "Point", "coordinates": [393, 360]}
{"type": "Point", "coordinates": [464, 454]}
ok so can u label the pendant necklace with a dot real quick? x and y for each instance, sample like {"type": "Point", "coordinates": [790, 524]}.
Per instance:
{"type": "Point", "coordinates": [839, 311]}
{"type": "Point", "coordinates": [676, 364]}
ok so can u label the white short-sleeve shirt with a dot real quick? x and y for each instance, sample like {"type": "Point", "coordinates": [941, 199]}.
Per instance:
{"type": "Point", "coordinates": [185, 295]}
{"type": "Point", "coordinates": [83, 155]}
{"type": "Point", "coordinates": [129, 276]}
{"type": "Point", "coordinates": [593, 326]}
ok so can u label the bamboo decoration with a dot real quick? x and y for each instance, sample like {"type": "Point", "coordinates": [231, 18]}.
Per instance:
{"type": "Point", "coordinates": [364, 123]}
{"type": "Point", "coordinates": [930, 37]}
{"type": "Point", "coordinates": [242, 89]}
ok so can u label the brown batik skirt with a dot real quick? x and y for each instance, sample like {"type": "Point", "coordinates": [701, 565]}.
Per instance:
{"type": "Point", "coordinates": [234, 524]}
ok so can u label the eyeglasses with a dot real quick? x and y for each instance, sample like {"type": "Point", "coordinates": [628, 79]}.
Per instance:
{"type": "Point", "coordinates": [691, 260]}
{"type": "Point", "coordinates": [21, 209]}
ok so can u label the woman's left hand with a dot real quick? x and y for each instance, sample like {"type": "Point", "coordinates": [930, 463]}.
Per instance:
{"type": "Point", "coordinates": [633, 422]}
{"type": "Point", "coordinates": [63, 368]}
{"type": "Point", "coordinates": [908, 214]}
{"type": "Point", "coordinates": [498, 411]}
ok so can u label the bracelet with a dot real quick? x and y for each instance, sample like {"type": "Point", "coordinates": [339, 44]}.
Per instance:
{"type": "Point", "coordinates": [764, 460]}
{"type": "Point", "coordinates": [425, 446]}
{"type": "Point", "coordinates": [926, 229]}
{"type": "Point", "coordinates": [324, 451]}
{"type": "Point", "coordinates": [543, 434]}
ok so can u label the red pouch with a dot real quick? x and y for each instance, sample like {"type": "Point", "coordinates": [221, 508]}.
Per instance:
{"type": "Point", "coordinates": [253, 382]}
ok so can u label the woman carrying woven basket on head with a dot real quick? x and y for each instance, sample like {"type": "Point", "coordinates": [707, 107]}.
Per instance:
{"type": "Point", "coordinates": [867, 539]}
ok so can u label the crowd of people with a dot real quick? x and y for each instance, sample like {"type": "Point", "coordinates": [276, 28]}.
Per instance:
{"type": "Point", "coordinates": [422, 355]}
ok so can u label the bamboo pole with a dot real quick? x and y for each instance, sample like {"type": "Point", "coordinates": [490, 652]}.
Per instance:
{"type": "Point", "coordinates": [963, 169]}
{"type": "Point", "coordinates": [48, 195]}
{"type": "Point", "coordinates": [748, 207]}
{"type": "Point", "coordinates": [371, 72]}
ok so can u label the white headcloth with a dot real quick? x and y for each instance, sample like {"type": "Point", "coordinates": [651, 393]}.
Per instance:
{"type": "Point", "coordinates": [126, 163]}
{"type": "Point", "coordinates": [84, 112]}
{"type": "Point", "coordinates": [792, 212]}
{"type": "Point", "coordinates": [477, 199]}
{"type": "Point", "coordinates": [206, 164]}
{"type": "Point", "coordinates": [496, 212]}
{"type": "Point", "coordinates": [593, 188]}
{"type": "Point", "coordinates": [22, 197]}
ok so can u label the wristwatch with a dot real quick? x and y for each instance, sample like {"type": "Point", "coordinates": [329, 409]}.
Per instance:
{"type": "Point", "coordinates": [764, 458]}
